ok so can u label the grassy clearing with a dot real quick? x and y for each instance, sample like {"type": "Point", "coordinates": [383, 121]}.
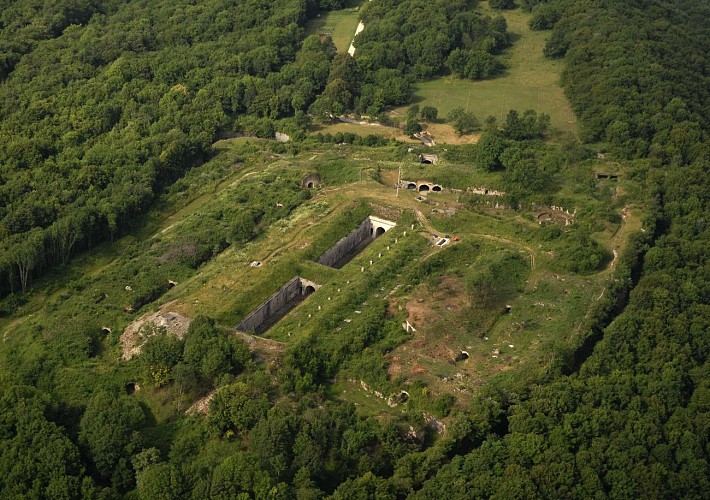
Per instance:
{"type": "Point", "coordinates": [530, 82]}
{"type": "Point", "coordinates": [548, 305]}
{"type": "Point", "coordinates": [340, 25]}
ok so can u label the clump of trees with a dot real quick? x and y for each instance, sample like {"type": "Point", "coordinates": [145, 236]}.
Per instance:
{"type": "Point", "coordinates": [205, 354]}
{"type": "Point", "coordinates": [424, 38]}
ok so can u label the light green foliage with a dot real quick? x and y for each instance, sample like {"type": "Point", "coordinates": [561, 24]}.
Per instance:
{"type": "Point", "coordinates": [159, 354]}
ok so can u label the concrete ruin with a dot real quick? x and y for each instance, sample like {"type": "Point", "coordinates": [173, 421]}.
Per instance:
{"type": "Point", "coordinates": [485, 191]}
{"type": "Point", "coordinates": [606, 175]}
{"type": "Point", "coordinates": [278, 305]}
{"type": "Point", "coordinates": [135, 334]}
{"type": "Point", "coordinates": [310, 181]}
{"type": "Point", "coordinates": [355, 242]}
{"type": "Point", "coordinates": [428, 159]}
{"type": "Point", "coordinates": [421, 186]}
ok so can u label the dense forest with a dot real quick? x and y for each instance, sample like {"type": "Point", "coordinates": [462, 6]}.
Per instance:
{"type": "Point", "coordinates": [106, 105]}
{"type": "Point", "coordinates": [125, 97]}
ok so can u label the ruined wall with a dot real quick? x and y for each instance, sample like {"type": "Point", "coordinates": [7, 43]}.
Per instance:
{"type": "Point", "coordinates": [346, 244]}
{"type": "Point", "coordinates": [259, 318]}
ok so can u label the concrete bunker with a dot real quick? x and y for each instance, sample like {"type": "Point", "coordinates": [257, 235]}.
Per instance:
{"type": "Point", "coordinates": [355, 242]}
{"type": "Point", "coordinates": [462, 356]}
{"type": "Point", "coordinates": [269, 312]}
{"type": "Point", "coordinates": [607, 175]}
{"type": "Point", "coordinates": [310, 181]}
{"type": "Point", "coordinates": [428, 159]}
{"type": "Point", "coordinates": [131, 387]}
{"type": "Point", "coordinates": [421, 186]}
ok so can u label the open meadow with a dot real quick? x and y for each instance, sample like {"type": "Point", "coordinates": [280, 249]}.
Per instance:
{"type": "Point", "coordinates": [529, 82]}
{"type": "Point", "coordinates": [340, 25]}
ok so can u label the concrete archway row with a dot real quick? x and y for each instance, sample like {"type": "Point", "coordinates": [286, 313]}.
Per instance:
{"type": "Point", "coordinates": [421, 186]}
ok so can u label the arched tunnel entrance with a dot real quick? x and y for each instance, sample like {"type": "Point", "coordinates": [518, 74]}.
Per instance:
{"type": "Point", "coordinates": [423, 187]}
{"type": "Point", "coordinates": [379, 232]}
{"type": "Point", "coordinates": [411, 185]}
{"type": "Point", "coordinates": [308, 290]}
{"type": "Point", "coordinates": [436, 188]}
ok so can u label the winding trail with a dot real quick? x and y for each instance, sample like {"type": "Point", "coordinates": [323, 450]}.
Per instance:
{"type": "Point", "coordinates": [427, 225]}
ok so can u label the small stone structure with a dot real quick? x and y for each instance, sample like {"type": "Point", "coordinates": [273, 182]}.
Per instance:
{"type": "Point", "coordinates": [310, 181]}
{"type": "Point", "coordinates": [553, 213]}
{"type": "Point", "coordinates": [352, 244]}
{"type": "Point", "coordinates": [421, 186]}
{"type": "Point", "coordinates": [606, 175]}
{"type": "Point", "coordinates": [278, 305]}
{"type": "Point", "coordinates": [428, 159]}
{"type": "Point", "coordinates": [485, 191]}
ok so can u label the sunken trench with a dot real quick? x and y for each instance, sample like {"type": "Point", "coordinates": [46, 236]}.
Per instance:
{"type": "Point", "coordinates": [277, 306]}
{"type": "Point", "coordinates": [355, 242]}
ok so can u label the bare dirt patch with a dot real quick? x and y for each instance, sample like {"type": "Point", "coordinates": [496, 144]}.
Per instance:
{"type": "Point", "coordinates": [201, 406]}
{"type": "Point", "coordinates": [135, 335]}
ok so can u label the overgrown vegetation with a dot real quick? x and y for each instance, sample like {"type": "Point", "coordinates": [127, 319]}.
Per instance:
{"type": "Point", "coordinates": [595, 362]}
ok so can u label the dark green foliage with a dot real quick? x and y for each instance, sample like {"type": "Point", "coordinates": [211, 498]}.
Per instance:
{"type": "Point", "coordinates": [622, 408]}
{"type": "Point", "coordinates": [544, 17]}
{"type": "Point", "coordinates": [109, 432]}
{"type": "Point", "coordinates": [36, 456]}
{"type": "Point", "coordinates": [429, 113]}
{"type": "Point", "coordinates": [473, 64]}
{"type": "Point", "coordinates": [418, 36]}
{"type": "Point", "coordinates": [524, 174]}
{"type": "Point", "coordinates": [581, 254]}
{"type": "Point", "coordinates": [528, 126]}
{"type": "Point", "coordinates": [464, 122]}
{"type": "Point", "coordinates": [237, 408]}
{"type": "Point", "coordinates": [412, 126]}
{"type": "Point", "coordinates": [108, 111]}
{"type": "Point", "coordinates": [648, 91]}
{"type": "Point", "coordinates": [501, 4]}
{"type": "Point", "coordinates": [442, 405]}
{"type": "Point", "coordinates": [488, 151]}
{"type": "Point", "coordinates": [161, 481]}
{"type": "Point", "coordinates": [212, 352]}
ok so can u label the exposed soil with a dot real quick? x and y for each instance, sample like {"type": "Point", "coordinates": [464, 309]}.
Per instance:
{"type": "Point", "coordinates": [201, 406]}
{"type": "Point", "coordinates": [135, 335]}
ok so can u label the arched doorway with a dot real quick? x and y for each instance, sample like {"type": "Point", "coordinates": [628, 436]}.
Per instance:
{"type": "Point", "coordinates": [309, 290]}
{"type": "Point", "coordinates": [423, 187]}
{"type": "Point", "coordinates": [436, 188]}
{"type": "Point", "coordinates": [380, 231]}
{"type": "Point", "coordinates": [411, 185]}
{"type": "Point", "coordinates": [310, 185]}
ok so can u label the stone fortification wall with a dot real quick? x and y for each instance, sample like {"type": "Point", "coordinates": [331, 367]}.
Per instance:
{"type": "Point", "coordinates": [290, 292]}
{"type": "Point", "coordinates": [346, 244]}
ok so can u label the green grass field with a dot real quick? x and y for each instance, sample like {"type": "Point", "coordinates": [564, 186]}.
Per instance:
{"type": "Point", "coordinates": [339, 24]}
{"type": "Point", "coordinates": [530, 82]}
